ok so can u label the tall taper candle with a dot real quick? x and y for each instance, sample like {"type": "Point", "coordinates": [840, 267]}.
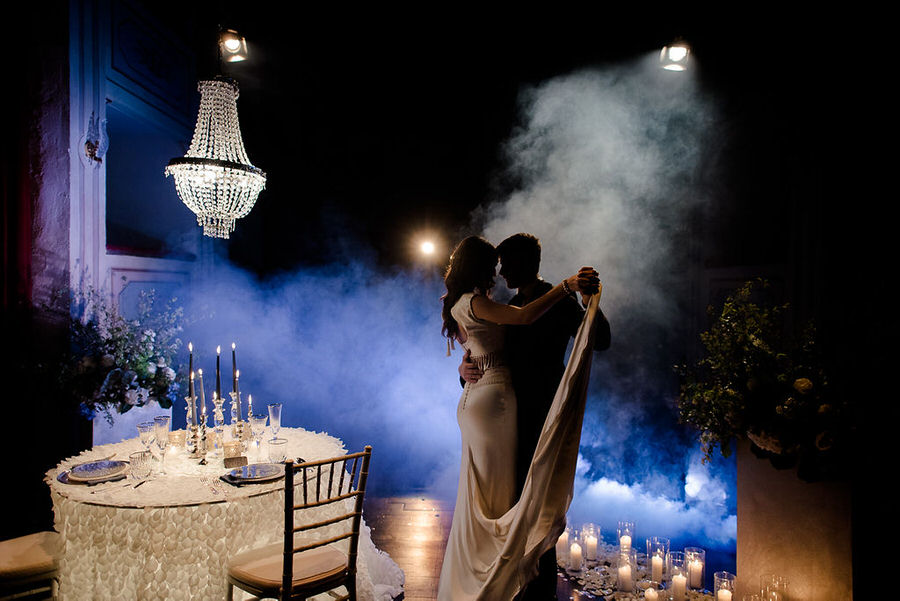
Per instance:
{"type": "Point", "coordinates": [193, 402]}
{"type": "Point", "coordinates": [218, 376]}
{"type": "Point", "coordinates": [202, 397]}
{"type": "Point", "coordinates": [249, 406]}
{"type": "Point", "coordinates": [191, 359]}
{"type": "Point", "coordinates": [234, 371]}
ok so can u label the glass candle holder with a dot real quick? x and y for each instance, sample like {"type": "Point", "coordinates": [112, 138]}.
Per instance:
{"type": "Point", "coordinates": [626, 571]}
{"type": "Point", "coordinates": [657, 552]}
{"type": "Point", "coordinates": [773, 587]}
{"type": "Point", "coordinates": [590, 534]}
{"type": "Point", "coordinates": [723, 586]}
{"type": "Point", "coordinates": [625, 535]}
{"type": "Point", "coordinates": [562, 547]}
{"type": "Point", "coordinates": [653, 591]}
{"type": "Point", "coordinates": [695, 563]}
{"type": "Point", "coordinates": [678, 576]}
{"type": "Point", "coordinates": [576, 552]}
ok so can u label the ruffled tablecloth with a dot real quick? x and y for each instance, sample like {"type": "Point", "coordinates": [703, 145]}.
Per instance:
{"type": "Point", "coordinates": [170, 538]}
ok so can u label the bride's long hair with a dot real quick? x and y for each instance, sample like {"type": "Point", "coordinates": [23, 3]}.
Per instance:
{"type": "Point", "coordinates": [471, 269]}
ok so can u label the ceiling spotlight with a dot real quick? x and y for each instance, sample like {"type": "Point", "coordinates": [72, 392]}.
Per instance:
{"type": "Point", "coordinates": [427, 247]}
{"type": "Point", "coordinates": [675, 56]}
{"type": "Point", "coordinates": [232, 46]}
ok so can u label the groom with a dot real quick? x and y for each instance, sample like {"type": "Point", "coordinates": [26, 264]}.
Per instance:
{"type": "Point", "coordinates": [536, 356]}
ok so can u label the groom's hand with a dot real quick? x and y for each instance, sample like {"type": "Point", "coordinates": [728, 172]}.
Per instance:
{"type": "Point", "coordinates": [588, 281]}
{"type": "Point", "coordinates": [468, 371]}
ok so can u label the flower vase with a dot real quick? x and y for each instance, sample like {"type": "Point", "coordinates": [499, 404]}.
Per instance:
{"type": "Point", "coordinates": [124, 425]}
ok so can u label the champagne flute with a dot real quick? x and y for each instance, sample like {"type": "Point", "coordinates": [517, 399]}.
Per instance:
{"type": "Point", "coordinates": [275, 418]}
{"type": "Point", "coordinates": [161, 429]}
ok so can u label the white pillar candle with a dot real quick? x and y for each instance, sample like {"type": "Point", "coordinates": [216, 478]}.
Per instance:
{"type": "Point", "coordinates": [651, 595]}
{"type": "Point", "coordinates": [679, 587]}
{"type": "Point", "coordinates": [625, 578]}
{"type": "Point", "coordinates": [590, 547]}
{"type": "Point", "coordinates": [562, 547]}
{"type": "Point", "coordinates": [695, 570]}
{"type": "Point", "coordinates": [575, 558]}
{"type": "Point", "coordinates": [625, 542]}
{"type": "Point", "coordinates": [656, 568]}
{"type": "Point", "coordinates": [723, 594]}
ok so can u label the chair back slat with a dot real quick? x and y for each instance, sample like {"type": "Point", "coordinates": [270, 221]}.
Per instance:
{"type": "Point", "coordinates": [323, 542]}
{"type": "Point", "coordinates": [353, 473]}
{"type": "Point", "coordinates": [343, 471]}
{"type": "Point", "coordinates": [325, 494]}
{"type": "Point", "coordinates": [330, 477]}
{"type": "Point", "coordinates": [333, 499]}
{"type": "Point", "coordinates": [327, 522]}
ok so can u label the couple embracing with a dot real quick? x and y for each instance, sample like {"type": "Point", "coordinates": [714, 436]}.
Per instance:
{"type": "Point", "coordinates": [519, 415]}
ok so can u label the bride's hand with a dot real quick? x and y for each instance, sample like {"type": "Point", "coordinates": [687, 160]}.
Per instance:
{"type": "Point", "coordinates": [587, 281]}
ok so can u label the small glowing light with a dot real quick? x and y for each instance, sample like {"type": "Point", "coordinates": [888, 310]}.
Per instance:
{"type": "Point", "coordinates": [677, 53]}
{"type": "Point", "coordinates": [675, 57]}
{"type": "Point", "coordinates": [427, 247]}
{"type": "Point", "coordinates": [233, 46]}
{"type": "Point", "coordinates": [219, 350]}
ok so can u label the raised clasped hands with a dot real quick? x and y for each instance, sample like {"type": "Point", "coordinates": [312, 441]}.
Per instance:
{"type": "Point", "coordinates": [588, 281]}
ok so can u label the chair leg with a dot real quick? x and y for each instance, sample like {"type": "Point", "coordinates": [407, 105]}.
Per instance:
{"type": "Point", "coordinates": [229, 596]}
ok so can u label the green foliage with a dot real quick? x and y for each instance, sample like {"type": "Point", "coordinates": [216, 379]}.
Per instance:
{"type": "Point", "coordinates": [755, 382]}
{"type": "Point", "coordinates": [115, 364]}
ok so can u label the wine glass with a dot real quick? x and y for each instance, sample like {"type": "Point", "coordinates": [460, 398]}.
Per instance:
{"type": "Point", "coordinates": [257, 428]}
{"type": "Point", "coordinates": [161, 429]}
{"type": "Point", "coordinates": [275, 418]}
{"type": "Point", "coordinates": [146, 433]}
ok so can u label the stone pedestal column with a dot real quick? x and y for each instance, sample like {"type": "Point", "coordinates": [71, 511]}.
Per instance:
{"type": "Point", "coordinates": [799, 530]}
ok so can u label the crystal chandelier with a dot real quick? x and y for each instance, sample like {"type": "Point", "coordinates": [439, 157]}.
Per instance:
{"type": "Point", "coordinates": [215, 178]}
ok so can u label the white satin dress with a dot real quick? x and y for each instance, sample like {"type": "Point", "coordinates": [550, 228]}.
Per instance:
{"type": "Point", "coordinates": [495, 540]}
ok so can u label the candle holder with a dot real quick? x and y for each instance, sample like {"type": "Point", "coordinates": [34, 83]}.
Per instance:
{"type": "Point", "coordinates": [657, 552]}
{"type": "Point", "coordinates": [773, 587]}
{"type": "Point", "coordinates": [625, 535]}
{"type": "Point", "coordinates": [590, 534]}
{"type": "Point", "coordinates": [626, 571]}
{"type": "Point", "coordinates": [695, 563]}
{"type": "Point", "coordinates": [723, 586]}
{"type": "Point", "coordinates": [219, 424]}
{"type": "Point", "coordinates": [678, 576]}
{"type": "Point", "coordinates": [196, 443]}
{"type": "Point", "coordinates": [653, 591]}
{"type": "Point", "coordinates": [190, 403]}
{"type": "Point", "coordinates": [576, 552]}
{"type": "Point", "coordinates": [240, 430]}
{"type": "Point", "coordinates": [562, 547]}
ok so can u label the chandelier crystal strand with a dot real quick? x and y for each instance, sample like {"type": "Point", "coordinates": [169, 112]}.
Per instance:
{"type": "Point", "coordinates": [215, 179]}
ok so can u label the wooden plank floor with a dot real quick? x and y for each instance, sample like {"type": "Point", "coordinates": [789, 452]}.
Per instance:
{"type": "Point", "coordinates": [413, 530]}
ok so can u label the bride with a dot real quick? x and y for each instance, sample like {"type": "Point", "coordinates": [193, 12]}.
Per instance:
{"type": "Point", "coordinates": [495, 540]}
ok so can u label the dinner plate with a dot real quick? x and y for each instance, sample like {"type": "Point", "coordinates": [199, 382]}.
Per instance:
{"type": "Point", "coordinates": [258, 472]}
{"type": "Point", "coordinates": [98, 470]}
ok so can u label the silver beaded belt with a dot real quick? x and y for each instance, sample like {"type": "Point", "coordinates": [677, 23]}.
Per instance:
{"type": "Point", "coordinates": [489, 360]}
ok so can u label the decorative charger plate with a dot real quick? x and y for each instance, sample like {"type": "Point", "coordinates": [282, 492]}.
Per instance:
{"type": "Point", "coordinates": [258, 472]}
{"type": "Point", "coordinates": [98, 471]}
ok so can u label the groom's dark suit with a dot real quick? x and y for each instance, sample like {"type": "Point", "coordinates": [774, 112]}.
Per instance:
{"type": "Point", "coordinates": [536, 355]}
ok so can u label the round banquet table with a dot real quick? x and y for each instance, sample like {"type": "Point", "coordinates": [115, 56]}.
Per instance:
{"type": "Point", "coordinates": [170, 538]}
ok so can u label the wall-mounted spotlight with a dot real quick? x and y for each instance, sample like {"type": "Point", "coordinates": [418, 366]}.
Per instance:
{"type": "Point", "coordinates": [675, 56]}
{"type": "Point", "coordinates": [232, 46]}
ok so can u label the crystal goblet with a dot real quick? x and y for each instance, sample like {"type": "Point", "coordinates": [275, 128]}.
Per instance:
{"type": "Point", "coordinates": [257, 429]}
{"type": "Point", "coordinates": [146, 433]}
{"type": "Point", "coordinates": [161, 429]}
{"type": "Point", "coordinates": [275, 418]}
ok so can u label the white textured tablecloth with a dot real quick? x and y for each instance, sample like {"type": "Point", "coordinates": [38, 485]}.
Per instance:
{"type": "Point", "coordinates": [170, 538]}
